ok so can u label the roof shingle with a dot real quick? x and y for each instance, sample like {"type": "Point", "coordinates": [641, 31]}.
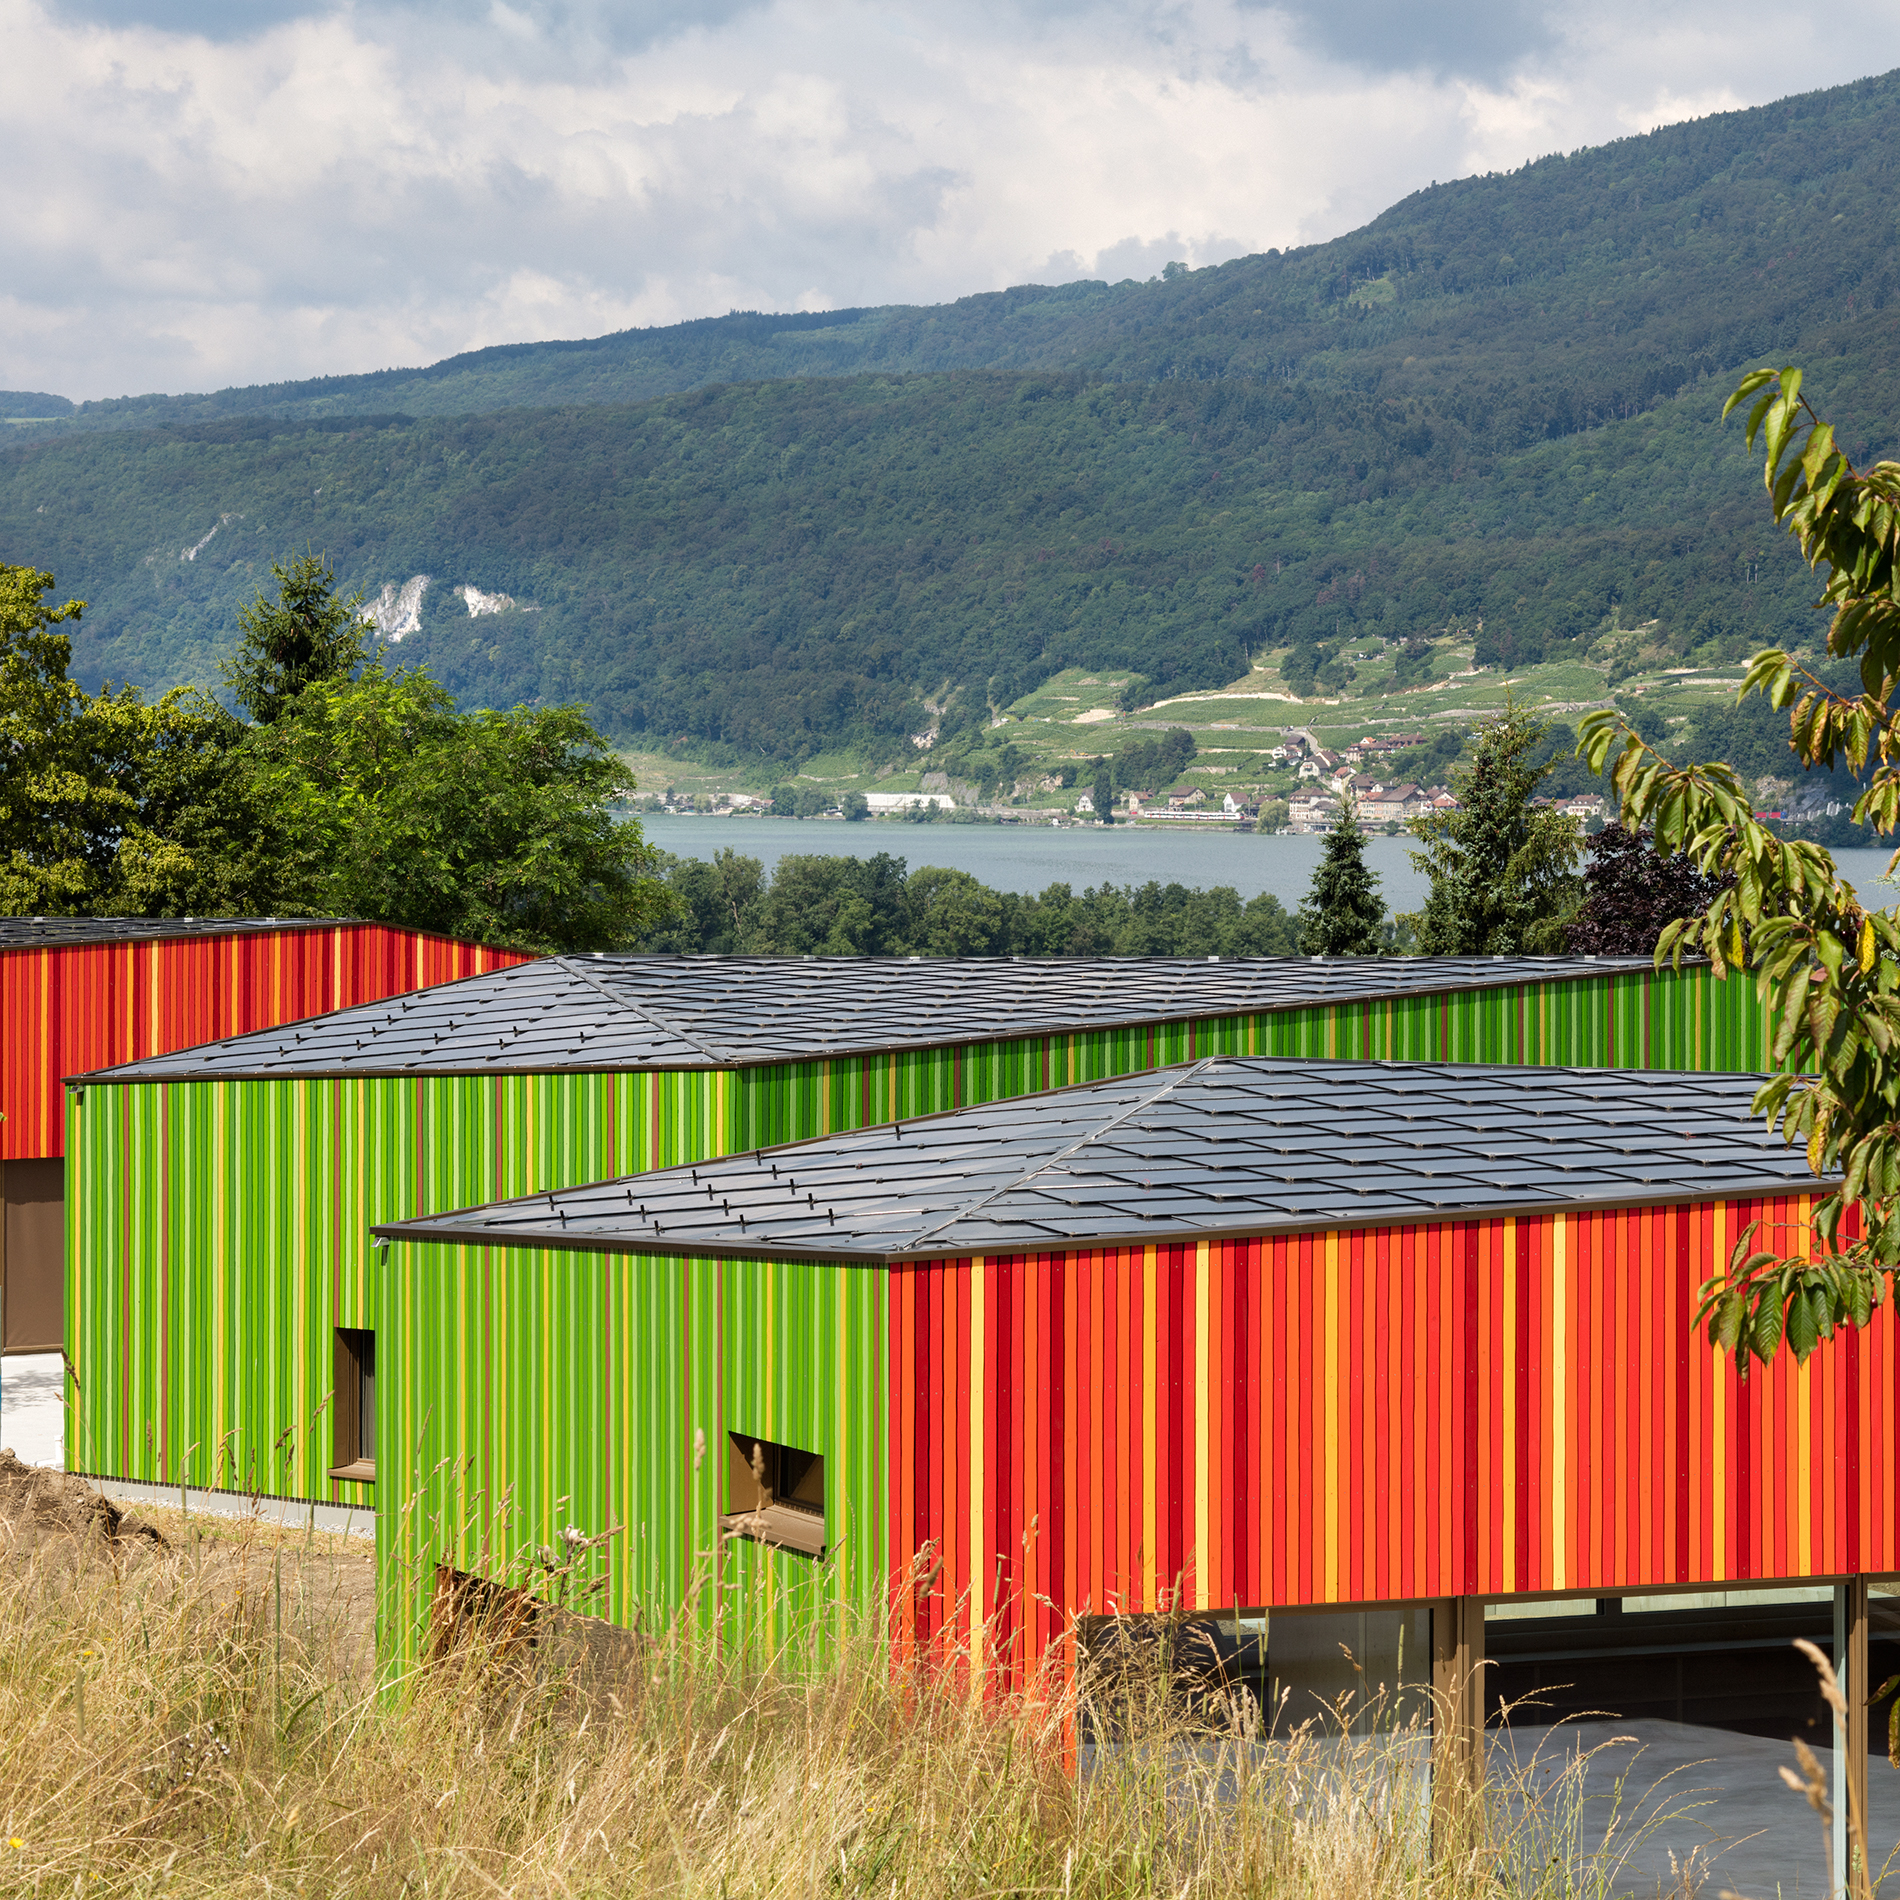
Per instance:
{"type": "Point", "coordinates": [635, 1012]}
{"type": "Point", "coordinates": [1228, 1146]}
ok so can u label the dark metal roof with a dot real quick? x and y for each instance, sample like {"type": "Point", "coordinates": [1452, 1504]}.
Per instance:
{"type": "Point", "coordinates": [1226, 1147]}
{"type": "Point", "coordinates": [634, 1012]}
{"type": "Point", "coordinates": [58, 933]}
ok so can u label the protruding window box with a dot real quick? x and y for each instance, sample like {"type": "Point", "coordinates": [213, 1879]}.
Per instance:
{"type": "Point", "coordinates": [777, 1494]}
{"type": "Point", "coordinates": [354, 1405]}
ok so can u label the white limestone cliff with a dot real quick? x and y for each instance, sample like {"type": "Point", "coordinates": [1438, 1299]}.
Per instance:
{"type": "Point", "coordinates": [397, 611]}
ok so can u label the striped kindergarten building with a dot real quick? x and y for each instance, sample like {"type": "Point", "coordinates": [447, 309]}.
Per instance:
{"type": "Point", "coordinates": [79, 993]}
{"type": "Point", "coordinates": [222, 1196]}
{"type": "Point", "coordinates": [1250, 1339]}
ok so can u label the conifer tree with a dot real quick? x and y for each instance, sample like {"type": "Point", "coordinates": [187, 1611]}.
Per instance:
{"type": "Point", "coordinates": [306, 636]}
{"type": "Point", "coordinates": [1503, 873]}
{"type": "Point", "coordinates": [1344, 912]}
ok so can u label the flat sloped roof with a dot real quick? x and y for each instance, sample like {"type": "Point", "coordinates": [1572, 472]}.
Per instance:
{"type": "Point", "coordinates": [59, 933]}
{"type": "Point", "coordinates": [611, 1011]}
{"type": "Point", "coordinates": [1226, 1147]}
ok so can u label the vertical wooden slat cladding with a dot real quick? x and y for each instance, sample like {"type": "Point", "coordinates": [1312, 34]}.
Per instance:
{"type": "Point", "coordinates": [214, 1208]}
{"type": "Point", "coordinates": [529, 1395]}
{"type": "Point", "coordinates": [64, 1011]}
{"type": "Point", "coordinates": [1472, 1408]}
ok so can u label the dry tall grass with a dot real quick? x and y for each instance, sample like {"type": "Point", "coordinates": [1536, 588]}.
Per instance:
{"type": "Point", "coordinates": [203, 1718]}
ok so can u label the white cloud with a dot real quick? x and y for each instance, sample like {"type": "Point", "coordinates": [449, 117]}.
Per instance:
{"type": "Point", "coordinates": [351, 188]}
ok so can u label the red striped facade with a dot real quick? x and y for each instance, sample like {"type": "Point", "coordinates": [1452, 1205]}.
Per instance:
{"type": "Point", "coordinates": [1472, 1408]}
{"type": "Point", "coordinates": [70, 1009]}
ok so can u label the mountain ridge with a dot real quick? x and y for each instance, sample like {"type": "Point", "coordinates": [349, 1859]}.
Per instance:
{"type": "Point", "coordinates": [1488, 415]}
{"type": "Point", "coordinates": [1451, 231]}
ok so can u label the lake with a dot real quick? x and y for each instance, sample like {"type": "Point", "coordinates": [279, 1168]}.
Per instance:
{"type": "Point", "coordinates": [1029, 858]}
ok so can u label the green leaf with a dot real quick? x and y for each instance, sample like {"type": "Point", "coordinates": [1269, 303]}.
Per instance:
{"type": "Point", "coordinates": [1802, 1331]}
{"type": "Point", "coordinates": [1764, 1335]}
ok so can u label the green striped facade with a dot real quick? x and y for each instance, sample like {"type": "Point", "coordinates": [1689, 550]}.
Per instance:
{"type": "Point", "coordinates": [535, 1393]}
{"type": "Point", "coordinates": [218, 1231]}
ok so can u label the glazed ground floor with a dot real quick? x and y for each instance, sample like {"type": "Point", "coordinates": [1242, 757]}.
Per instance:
{"type": "Point", "coordinates": [1658, 1723]}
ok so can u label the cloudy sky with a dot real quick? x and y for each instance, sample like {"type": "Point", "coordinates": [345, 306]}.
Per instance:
{"type": "Point", "coordinates": [203, 192]}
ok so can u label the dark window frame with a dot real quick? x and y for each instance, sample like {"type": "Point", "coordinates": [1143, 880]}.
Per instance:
{"type": "Point", "coordinates": [353, 1406]}
{"type": "Point", "coordinates": [787, 1508]}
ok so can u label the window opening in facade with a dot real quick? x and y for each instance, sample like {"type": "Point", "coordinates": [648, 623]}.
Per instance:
{"type": "Point", "coordinates": [354, 1404]}
{"type": "Point", "coordinates": [1333, 1673]}
{"type": "Point", "coordinates": [775, 1494]}
{"type": "Point", "coordinates": [33, 1254]}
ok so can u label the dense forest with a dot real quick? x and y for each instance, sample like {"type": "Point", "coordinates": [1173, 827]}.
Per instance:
{"type": "Point", "coordinates": [1490, 414]}
{"type": "Point", "coordinates": [841, 906]}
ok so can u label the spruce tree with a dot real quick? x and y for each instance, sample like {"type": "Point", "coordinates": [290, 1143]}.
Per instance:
{"type": "Point", "coordinates": [305, 637]}
{"type": "Point", "coordinates": [1503, 874]}
{"type": "Point", "coordinates": [1344, 912]}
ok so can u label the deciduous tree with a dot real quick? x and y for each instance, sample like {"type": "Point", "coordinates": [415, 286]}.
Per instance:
{"type": "Point", "coordinates": [1826, 965]}
{"type": "Point", "coordinates": [57, 809]}
{"type": "Point", "coordinates": [1633, 893]}
{"type": "Point", "coordinates": [387, 803]}
{"type": "Point", "coordinates": [108, 805]}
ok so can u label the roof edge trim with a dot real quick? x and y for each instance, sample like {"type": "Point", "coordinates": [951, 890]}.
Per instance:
{"type": "Point", "coordinates": [1751, 1187]}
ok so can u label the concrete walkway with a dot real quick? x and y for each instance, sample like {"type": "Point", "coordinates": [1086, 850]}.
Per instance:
{"type": "Point", "coordinates": [1676, 1789]}
{"type": "Point", "coordinates": [32, 1415]}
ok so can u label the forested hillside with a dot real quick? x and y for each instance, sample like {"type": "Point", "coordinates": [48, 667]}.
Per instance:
{"type": "Point", "coordinates": [1491, 413]}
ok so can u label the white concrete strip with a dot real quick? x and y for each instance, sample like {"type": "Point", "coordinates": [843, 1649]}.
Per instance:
{"type": "Point", "coordinates": [351, 1520]}
{"type": "Point", "coordinates": [32, 1408]}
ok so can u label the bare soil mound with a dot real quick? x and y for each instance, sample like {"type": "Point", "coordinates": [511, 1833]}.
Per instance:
{"type": "Point", "coordinates": [36, 1500]}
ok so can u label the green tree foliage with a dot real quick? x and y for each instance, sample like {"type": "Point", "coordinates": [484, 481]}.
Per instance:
{"type": "Point", "coordinates": [830, 907]}
{"type": "Point", "coordinates": [1344, 915]}
{"type": "Point", "coordinates": [306, 636]}
{"type": "Point", "coordinates": [1153, 765]}
{"type": "Point", "coordinates": [711, 905]}
{"type": "Point", "coordinates": [840, 906]}
{"type": "Point", "coordinates": [56, 808]}
{"type": "Point", "coordinates": [1827, 967]}
{"type": "Point", "coordinates": [109, 805]}
{"type": "Point", "coordinates": [496, 826]}
{"type": "Point", "coordinates": [1502, 872]}
{"type": "Point", "coordinates": [1102, 793]}
{"type": "Point", "coordinates": [364, 797]}
{"type": "Point", "coordinates": [951, 914]}
{"type": "Point", "coordinates": [195, 842]}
